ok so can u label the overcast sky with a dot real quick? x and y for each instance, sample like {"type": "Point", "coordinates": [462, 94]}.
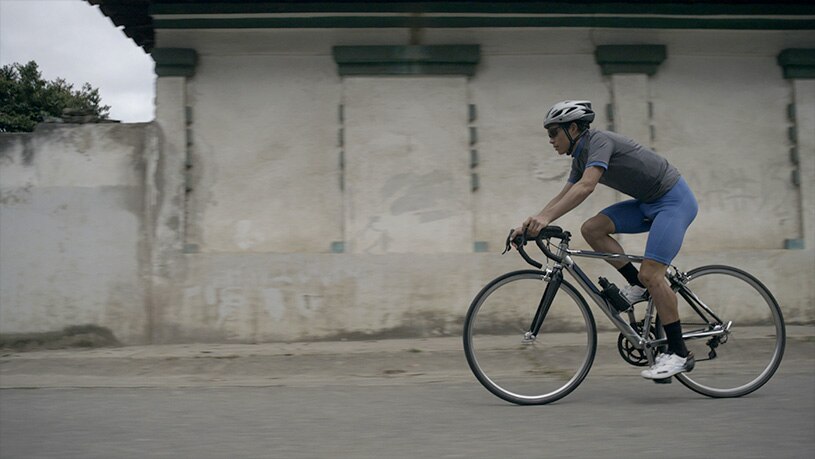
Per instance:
{"type": "Point", "coordinates": [73, 40]}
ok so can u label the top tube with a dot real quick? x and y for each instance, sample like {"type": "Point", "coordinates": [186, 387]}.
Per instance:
{"type": "Point", "coordinates": [557, 232]}
{"type": "Point", "coordinates": [606, 255]}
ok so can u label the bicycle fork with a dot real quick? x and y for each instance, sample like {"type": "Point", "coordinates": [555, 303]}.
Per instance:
{"type": "Point", "coordinates": [555, 278]}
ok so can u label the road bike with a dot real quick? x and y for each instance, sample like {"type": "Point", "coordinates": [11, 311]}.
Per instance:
{"type": "Point", "coordinates": [530, 337]}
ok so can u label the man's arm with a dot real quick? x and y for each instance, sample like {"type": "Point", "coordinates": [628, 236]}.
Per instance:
{"type": "Point", "coordinates": [570, 197]}
{"type": "Point", "coordinates": [552, 203]}
{"type": "Point", "coordinates": [557, 198]}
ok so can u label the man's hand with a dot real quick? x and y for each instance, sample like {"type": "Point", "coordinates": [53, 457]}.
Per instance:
{"type": "Point", "coordinates": [515, 233]}
{"type": "Point", "coordinates": [534, 225]}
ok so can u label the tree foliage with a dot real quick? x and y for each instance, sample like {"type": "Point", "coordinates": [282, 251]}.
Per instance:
{"type": "Point", "coordinates": [26, 99]}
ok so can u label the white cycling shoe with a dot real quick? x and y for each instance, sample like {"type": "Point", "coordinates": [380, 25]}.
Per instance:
{"type": "Point", "coordinates": [634, 293]}
{"type": "Point", "coordinates": [667, 365]}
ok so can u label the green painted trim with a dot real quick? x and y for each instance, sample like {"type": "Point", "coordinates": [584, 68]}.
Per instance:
{"type": "Point", "coordinates": [794, 244]}
{"type": "Point", "coordinates": [799, 73]}
{"type": "Point", "coordinates": [622, 22]}
{"type": "Point", "coordinates": [175, 61]}
{"type": "Point", "coordinates": [462, 54]}
{"type": "Point", "coordinates": [191, 248]}
{"type": "Point", "coordinates": [614, 59]}
{"type": "Point", "coordinates": [406, 69]}
{"type": "Point", "coordinates": [517, 7]}
{"type": "Point", "coordinates": [407, 60]}
{"type": "Point", "coordinates": [798, 63]}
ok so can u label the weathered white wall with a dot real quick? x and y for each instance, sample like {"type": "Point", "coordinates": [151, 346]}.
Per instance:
{"type": "Point", "coordinates": [264, 155]}
{"type": "Point", "coordinates": [518, 169]}
{"type": "Point", "coordinates": [737, 162]}
{"type": "Point", "coordinates": [726, 131]}
{"type": "Point", "coordinates": [71, 229]}
{"type": "Point", "coordinates": [804, 99]}
{"type": "Point", "coordinates": [217, 222]}
{"type": "Point", "coordinates": [406, 174]}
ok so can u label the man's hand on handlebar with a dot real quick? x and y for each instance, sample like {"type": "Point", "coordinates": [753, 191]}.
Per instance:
{"type": "Point", "coordinates": [517, 237]}
{"type": "Point", "coordinates": [517, 232]}
{"type": "Point", "coordinates": [532, 226]}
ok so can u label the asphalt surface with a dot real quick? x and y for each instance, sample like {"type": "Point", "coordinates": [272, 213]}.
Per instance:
{"type": "Point", "coordinates": [395, 398]}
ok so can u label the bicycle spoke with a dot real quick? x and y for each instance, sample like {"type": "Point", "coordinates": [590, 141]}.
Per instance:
{"type": "Point", "coordinates": [740, 361]}
{"type": "Point", "coordinates": [534, 371]}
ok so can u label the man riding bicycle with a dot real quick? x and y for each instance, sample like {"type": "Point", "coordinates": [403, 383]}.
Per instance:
{"type": "Point", "coordinates": [663, 205]}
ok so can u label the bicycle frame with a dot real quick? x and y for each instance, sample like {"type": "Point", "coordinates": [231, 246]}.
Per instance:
{"type": "Point", "coordinates": [564, 259]}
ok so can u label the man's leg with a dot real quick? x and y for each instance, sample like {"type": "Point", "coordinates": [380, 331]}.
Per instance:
{"type": "Point", "coordinates": [678, 359]}
{"type": "Point", "coordinates": [652, 274]}
{"type": "Point", "coordinates": [672, 215]}
{"type": "Point", "coordinates": [597, 232]}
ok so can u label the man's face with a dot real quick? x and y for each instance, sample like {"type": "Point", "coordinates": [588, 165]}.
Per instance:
{"type": "Point", "coordinates": [558, 139]}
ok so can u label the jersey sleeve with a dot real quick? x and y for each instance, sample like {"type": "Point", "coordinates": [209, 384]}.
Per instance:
{"type": "Point", "coordinates": [576, 173]}
{"type": "Point", "coordinates": [600, 150]}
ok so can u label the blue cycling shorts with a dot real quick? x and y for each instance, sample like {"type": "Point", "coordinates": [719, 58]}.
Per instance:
{"type": "Point", "coordinates": [666, 220]}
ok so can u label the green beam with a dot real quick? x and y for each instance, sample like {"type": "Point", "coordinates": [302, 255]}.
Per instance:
{"type": "Point", "coordinates": [175, 61]}
{"type": "Point", "coordinates": [576, 7]}
{"type": "Point", "coordinates": [623, 22]}
{"type": "Point", "coordinates": [407, 60]}
{"type": "Point", "coordinates": [798, 63]}
{"type": "Point", "coordinates": [614, 59]}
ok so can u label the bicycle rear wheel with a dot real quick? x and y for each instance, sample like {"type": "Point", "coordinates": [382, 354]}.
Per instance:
{"type": "Point", "coordinates": [746, 358]}
{"type": "Point", "coordinates": [522, 371]}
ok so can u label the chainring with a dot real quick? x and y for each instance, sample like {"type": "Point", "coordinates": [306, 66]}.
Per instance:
{"type": "Point", "coordinates": [629, 352]}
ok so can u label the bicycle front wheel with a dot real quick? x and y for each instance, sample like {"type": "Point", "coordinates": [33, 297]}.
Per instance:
{"type": "Point", "coordinates": [740, 362]}
{"type": "Point", "coordinates": [518, 369]}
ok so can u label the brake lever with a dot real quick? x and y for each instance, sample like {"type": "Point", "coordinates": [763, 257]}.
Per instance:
{"type": "Point", "coordinates": [521, 240]}
{"type": "Point", "coordinates": [508, 246]}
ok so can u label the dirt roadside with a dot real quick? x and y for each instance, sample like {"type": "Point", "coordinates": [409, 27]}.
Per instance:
{"type": "Point", "coordinates": [398, 361]}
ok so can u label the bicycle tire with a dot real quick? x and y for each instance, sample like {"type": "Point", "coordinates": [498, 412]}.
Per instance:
{"type": "Point", "coordinates": [536, 373]}
{"type": "Point", "coordinates": [754, 348]}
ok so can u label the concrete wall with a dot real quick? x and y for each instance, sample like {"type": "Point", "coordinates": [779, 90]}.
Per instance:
{"type": "Point", "coordinates": [267, 181]}
{"type": "Point", "coordinates": [280, 201]}
{"type": "Point", "coordinates": [406, 181]}
{"type": "Point", "coordinates": [72, 246]}
{"type": "Point", "coordinates": [393, 154]}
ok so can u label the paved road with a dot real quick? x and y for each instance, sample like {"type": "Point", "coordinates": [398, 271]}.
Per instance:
{"type": "Point", "coordinates": [606, 417]}
{"type": "Point", "coordinates": [438, 411]}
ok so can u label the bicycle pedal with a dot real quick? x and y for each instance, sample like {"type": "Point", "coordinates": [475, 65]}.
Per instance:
{"type": "Point", "coordinates": [663, 381]}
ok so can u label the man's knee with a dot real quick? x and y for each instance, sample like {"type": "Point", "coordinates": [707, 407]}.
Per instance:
{"type": "Point", "coordinates": [651, 273]}
{"type": "Point", "coordinates": [597, 226]}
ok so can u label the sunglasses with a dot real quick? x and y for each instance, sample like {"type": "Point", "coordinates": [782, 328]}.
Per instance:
{"type": "Point", "coordinates": [552, 131]}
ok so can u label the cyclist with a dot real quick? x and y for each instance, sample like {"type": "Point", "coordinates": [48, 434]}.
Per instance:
{"type": "Point", "coordinates": [663, 205]}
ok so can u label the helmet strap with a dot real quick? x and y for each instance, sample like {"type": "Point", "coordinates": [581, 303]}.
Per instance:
{"type": "Point", "coordinates": [572, 141]}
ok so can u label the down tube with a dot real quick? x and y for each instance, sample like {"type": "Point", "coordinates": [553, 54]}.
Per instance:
{"type": "Point", "coordinates": [583, 280]}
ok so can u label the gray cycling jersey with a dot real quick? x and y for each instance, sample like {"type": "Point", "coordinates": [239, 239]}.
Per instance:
{"type": "Point", "coordinates": [630, 168]}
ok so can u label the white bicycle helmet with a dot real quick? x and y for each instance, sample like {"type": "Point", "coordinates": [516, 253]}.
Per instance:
{"type": "Point", "coordinates": [569, 111]}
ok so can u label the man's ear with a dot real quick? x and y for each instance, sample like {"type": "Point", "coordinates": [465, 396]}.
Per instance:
{"type": "Point", "coordinates": [574, 130]}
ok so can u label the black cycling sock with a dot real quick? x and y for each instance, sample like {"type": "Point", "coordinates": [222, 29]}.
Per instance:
{"type": "Point", "coordinates": [631, 274]}
{"type": "Point", "coordinates": [676, 345]}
